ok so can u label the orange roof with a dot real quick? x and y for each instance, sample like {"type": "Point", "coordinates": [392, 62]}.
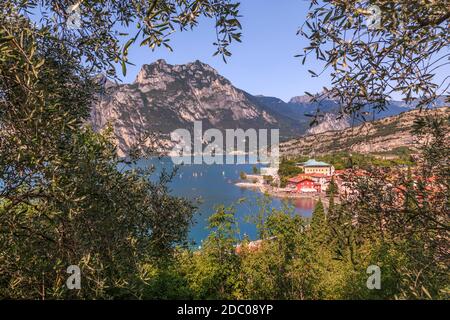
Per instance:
{"type": "Point", "coordinates": [310, 176]}
{"type": "Point", "coordinates": [318, 175]}
{"type": "Point", "coordinates": [300, 178]}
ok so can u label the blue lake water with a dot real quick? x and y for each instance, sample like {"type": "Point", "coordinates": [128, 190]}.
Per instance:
{"type": "Point", "coordinates": [215, 185]}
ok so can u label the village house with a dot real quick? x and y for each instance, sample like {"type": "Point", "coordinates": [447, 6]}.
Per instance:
{"type": "Point", "coordinates": [315, 179]}
{"type": "Point", "coordinates": [312, 166]}
{"type": "Point", "coordinates": [305, 184]}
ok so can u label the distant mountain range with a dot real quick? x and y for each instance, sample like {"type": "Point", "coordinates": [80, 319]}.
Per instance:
{"type": "Point", "coordinates": [300, 106]}
{"type": "Point", "coordinates": [167, 97]}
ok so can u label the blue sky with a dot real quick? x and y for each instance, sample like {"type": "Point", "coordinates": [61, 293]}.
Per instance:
{"type": "Point", "coordinates": [263, 63]}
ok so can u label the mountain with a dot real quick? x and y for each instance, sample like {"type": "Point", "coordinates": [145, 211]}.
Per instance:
{"type": "Point", "coordinates": [167, 97]}
{"type": "Point", "coordinates": [297, 107]}
{"type": "Point", "coordinates": [301, 99]}
{"type": "Point", "coordinates": [300, 106]}
{"type": "Point", "coordinates": [383, 135]}
{"type": "Point", "coordinates": [330, 123]}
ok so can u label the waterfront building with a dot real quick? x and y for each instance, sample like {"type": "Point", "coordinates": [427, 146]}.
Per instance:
{"type": "Point", "coordinates": [312, 166]}
{"type": "Point", "coordinates": [304, 184]}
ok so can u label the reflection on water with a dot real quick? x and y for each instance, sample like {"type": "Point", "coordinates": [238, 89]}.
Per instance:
{"type": "Point", "coordinates": [214, 185]}
{"type": "Point", "coordinates": [304, 205]}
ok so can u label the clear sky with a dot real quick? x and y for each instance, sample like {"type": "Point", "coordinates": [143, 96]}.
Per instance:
{"type": "Point", "coordinates": [263, 63]}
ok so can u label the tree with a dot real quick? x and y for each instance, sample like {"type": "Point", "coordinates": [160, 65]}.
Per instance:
{"type": "Point", "coordinates": [318, 223]}
{"type": "Point", "coordinates": [288, 169]}
{"type": "Point", "coordinates": [268, 269]}
{"type": "Point", "coordinates": [95, 40]}
{"type": "Point", "coordinates": [65, 197]}
{"type": "Point", "coordinates": [376, 49]}
{"type": "Point", "coordinates": [213, 271]}
{"type": "Point", "coordinates": [332, 188]}
{"type": "Point", "coordinates": [398, 220]}
{"type": "Point", "coordinates": [379, 48]}
{"type": "Point", "coordinates": [332, 191]}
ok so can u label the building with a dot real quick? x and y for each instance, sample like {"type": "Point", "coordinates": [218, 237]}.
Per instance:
{"type": "Point", "coordinates": [315, 179]}
{"type": "Point", "coordinates": [312, 167]}
{"type": "Point", "coordinates": [304, 184]}
{"type": "Point", "coordinates": [322, 179]}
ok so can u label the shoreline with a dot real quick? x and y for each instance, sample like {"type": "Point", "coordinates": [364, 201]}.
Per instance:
{"type": "Point", "coordinates": [265, 189]}
{"type": "Point", "coordinates": [285, 195]}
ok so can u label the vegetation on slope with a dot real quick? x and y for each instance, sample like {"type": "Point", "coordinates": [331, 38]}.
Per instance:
{"type": "Point", "coordinates": [66, 199]}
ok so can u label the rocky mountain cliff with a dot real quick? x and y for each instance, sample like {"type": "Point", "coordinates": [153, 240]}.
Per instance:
{"type": "Point", "coordinates": [166, 97]}
{"type": "Point", "coordinates": [371, 137]}
{"type": "Point", "coordinates": [330, 122]}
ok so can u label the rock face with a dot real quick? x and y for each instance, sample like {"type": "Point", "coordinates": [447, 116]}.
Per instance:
{"type": "Point", "coordinates": [300, 99]}
{"type": "Point", "coordinates": [330, 122]}
{"type": "Point", "coordinates": [166, 97]}
{"type": "Point", "coordinates": [379, 136]}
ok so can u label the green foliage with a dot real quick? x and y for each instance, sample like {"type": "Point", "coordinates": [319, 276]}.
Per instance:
{"type": "Point", "coordinates": [288, 169]}
{"type": "Point", "coordinates": [398, 54]}
{"type": "Point", "coordinates": [332, 188]}
{"type": "Point", "coordinates": [212, 272]}
{"type": "Point", "coordinates": [326, 257]}
{"type": "Point", "coordinates": [97, 42]}
{"type": "Point", "coordinates": [400, 224]}
{"type": "Point", "coordinates": [66, 198]}
{"type": "Point", "coordinates": [319, 228]}
{"type": "Point", "coordinates": [346, 160]}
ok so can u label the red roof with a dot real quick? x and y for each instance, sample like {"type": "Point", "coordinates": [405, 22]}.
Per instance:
{"type": "Point", "coordinates": [303, 176]}
{"type": "Point", "coordinates": [300, 178]}
{"type": "Point", "coordinates": [318, 175]}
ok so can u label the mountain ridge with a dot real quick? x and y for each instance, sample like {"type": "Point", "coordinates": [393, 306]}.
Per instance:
{"type": "Point", "coordinates": [379, 136]}
{"type": "Point", "coordinates": [165, 97]}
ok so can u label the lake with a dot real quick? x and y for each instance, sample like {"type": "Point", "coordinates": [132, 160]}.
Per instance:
{"type": "Point", "coordinates": [214, 185]}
